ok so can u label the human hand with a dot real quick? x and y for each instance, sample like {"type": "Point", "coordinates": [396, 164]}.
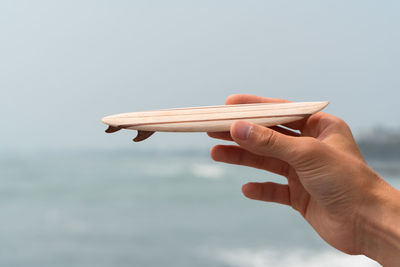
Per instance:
{"type": "Point", "coordinates": [329, 182]}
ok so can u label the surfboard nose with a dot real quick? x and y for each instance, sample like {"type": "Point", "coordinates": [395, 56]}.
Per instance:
{"type": "Point", "coordinates": [321, 105]}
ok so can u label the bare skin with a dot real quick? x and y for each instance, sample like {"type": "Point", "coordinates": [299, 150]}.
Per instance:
{"type": "Point", "coordinates": [328, 180]}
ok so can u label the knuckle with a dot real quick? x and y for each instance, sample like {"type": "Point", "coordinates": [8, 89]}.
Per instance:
{"type": "Point", "coordinates": [343, 125]}
{"type": "Point", "coordinates": [336, 122]}
{"type": "Point", "coordinates": [268, 138]}
{"type": "Point", "coordinates": [340, 126]}
{"type": "Point", "coordinates": [339, 122]}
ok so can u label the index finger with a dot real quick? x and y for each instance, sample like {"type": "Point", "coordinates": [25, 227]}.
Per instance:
{"type": "Point", "coordinates": [252, 99]}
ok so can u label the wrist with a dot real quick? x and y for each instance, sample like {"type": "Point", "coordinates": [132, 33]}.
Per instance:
{"type": "Point", "coordinates": [380, 225]}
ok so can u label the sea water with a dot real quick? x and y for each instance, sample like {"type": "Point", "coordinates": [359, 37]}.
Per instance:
{"type": "Point", "coordinates": [160, 208]}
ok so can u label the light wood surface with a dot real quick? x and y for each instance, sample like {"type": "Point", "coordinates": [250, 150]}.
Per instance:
{"type": "Point", "coordinates": [211, 118]}
{"type": "Point", "coordinates": [214, 118]}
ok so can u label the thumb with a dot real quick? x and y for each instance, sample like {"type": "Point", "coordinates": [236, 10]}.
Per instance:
{"type": "Point", "coordinates": [267, 142]}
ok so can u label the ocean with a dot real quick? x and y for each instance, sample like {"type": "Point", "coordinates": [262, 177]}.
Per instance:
{"type": "Point", "coordinates": [149, 208]}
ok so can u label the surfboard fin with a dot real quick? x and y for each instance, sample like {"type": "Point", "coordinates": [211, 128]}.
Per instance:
{"type": "Point", "coordinates": [113, 129]}
{"type": "Point", "coordinates": [142, 135]}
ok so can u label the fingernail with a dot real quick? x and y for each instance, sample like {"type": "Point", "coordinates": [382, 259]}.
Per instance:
{"type": "Point", "coordinates": [242, 130]}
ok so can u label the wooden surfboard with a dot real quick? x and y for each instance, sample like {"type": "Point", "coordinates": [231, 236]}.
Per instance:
{"type": "Point", "coordinates": [211, 118]}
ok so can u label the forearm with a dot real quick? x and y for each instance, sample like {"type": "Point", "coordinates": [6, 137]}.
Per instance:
{"type": "Point", "coordinates": [380, 224]}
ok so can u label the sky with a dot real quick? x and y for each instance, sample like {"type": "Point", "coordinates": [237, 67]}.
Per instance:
{"type": "Point", "coordinates": [66, 64]}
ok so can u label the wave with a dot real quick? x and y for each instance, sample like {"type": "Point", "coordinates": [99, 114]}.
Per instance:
{"type": "Point", "coordinates": [296, 258]}
{"type": "Point", "coordinates": [208, 171]}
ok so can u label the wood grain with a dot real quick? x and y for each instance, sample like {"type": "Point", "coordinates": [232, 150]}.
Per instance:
{"type": "Point", "coordinates": [212, 118]}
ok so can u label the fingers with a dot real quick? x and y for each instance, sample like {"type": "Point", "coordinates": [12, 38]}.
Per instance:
{"type": "Point", "coordinates": [239, 156]}
{"type": "Point", "coordinates": [271, 192]}
{"type": "Point", "coordinates": [243, 99]}
{"type": "Point", "coordinates": [265, 142]}
{"type": "Point", "coordinates": [250, 99]}
{"type": "Point", "coordinates": [227, 135]}
{"type": "Point", "coordinates": [333, 131]}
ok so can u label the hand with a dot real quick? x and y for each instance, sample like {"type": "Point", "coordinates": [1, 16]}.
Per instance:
{"type": "Point", "coordinates": [329, 182]}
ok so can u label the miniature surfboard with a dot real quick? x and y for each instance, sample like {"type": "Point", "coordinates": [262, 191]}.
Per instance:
{"type": "Point", "coordinates": [211, 118]}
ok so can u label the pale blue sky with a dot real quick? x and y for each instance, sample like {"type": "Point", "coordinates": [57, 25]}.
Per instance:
{"type": "Point", "coordinates": [65, 64]}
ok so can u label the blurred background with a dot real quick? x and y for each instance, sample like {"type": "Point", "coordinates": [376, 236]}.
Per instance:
{"type": "Point", "coordinates": [71, 195]}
